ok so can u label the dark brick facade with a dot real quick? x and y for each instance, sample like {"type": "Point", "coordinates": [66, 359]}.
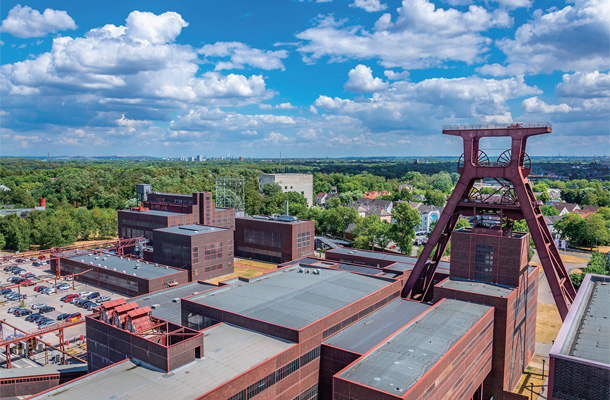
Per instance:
{"type": "Point", "coordinates": [267, 239]}
{"type": "Point", "coordinates": [575, 381]}
{"type": "Point", "coordinates": [108, 344]}
{"type": "Point", "coordinates": [117, 281]}
{"type": "Point", "coordinates": [508, 256]}
{"type": "Point", "coordinates": [458, 375]}
{"type": "Point", "coordinates": [206, 255]}
{"type": "Point", "coordinates": [197, 208]}
{"type": "Point", "coordinates": [308, 340]}
{"type": "Point", "coordinates": [27, 385]}
{"type": "Point", "coordinates": [514, 316]}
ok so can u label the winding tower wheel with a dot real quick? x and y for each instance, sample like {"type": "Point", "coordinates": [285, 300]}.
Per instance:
{"type": "Point", "coordinates": [518, 202]}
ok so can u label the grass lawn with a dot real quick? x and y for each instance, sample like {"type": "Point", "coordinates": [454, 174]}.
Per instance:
{"type": "Point", "coordinates": [548, 323]}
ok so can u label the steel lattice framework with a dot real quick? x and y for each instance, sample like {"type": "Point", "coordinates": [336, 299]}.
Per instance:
{"type": "Point", "coordinates": [230, 192]}
{"type": "Point", "coordinates": [514, 200]}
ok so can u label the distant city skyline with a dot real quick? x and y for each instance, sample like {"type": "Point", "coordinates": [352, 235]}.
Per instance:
{"type": "Point", "coordinates": [362, 78]}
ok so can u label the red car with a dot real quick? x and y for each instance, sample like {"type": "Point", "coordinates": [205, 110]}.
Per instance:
{"type": "Point", "coordinates": [68, 297]}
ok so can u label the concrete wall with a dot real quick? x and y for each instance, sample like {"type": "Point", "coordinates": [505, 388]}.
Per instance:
{"type": "Point", "coordinates": [300, 183]}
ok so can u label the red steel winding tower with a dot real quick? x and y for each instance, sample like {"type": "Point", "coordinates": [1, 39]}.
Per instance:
{"type": "Point", "coordinates": [514, 200]}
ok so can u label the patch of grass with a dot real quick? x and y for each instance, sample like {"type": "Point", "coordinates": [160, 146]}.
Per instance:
{"type": "Point", "coordinates": [574, 259]}
{"type": "Point", "coordinates": [548, 323]}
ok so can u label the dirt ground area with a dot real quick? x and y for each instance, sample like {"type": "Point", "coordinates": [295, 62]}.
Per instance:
{"type": "Point", "coordinates": [532, 383]}
{"type": "Point", "coordinates": [548, 323]}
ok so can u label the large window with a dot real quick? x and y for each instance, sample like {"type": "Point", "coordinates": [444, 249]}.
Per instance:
{"type": "Point", "coordinates": [483, 262]}
{"type": "Point", "coordinates": [212, 251]}
{"type": "Point", "coordinates": [272, 239]}
{"type": "Point", "coordinates": [304, 239]}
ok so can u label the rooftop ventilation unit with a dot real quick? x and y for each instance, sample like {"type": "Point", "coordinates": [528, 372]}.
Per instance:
{"type": "Point", "coordinates": [301, 270]}
{"type": "Point", "coordinates": [176, 299]}
{"type": "Point", "coordinates": [137, 266]}
{"type": "Point", "coordinates": [97, 258]}
{"type": "Point", "coordinates": [154, 306]}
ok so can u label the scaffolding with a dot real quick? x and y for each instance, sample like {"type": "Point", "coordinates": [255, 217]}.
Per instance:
{"type": "Point", "coordinates": [230, 193]}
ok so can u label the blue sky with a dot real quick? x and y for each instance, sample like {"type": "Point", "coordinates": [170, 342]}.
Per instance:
{"type": "Point", "coordinates": [305, 78]}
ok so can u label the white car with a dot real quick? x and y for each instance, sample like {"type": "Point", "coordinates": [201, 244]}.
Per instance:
{"type": "Point", "coordinates": [49, 290]}
{"type": "Point", "coordinates": [37, 306]}
{"type": "Point", "coordinates": [84, 294]}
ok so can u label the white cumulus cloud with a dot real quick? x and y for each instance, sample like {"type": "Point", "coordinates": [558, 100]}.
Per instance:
{"type": "Point", "coordinates": [360, 80]}
{"type": "Point", "coordinates": [240, 54]}
{"type": "Point", "coordinates": [25, 22]}
{"type": "Point", "coordinates": [420, 37]}
{"type": "Point", "coordinates": [369, 5]}
{"type": "Point", "coordinates": [574, 38]}
{"type": "Point", "coordinates": [535, 105]}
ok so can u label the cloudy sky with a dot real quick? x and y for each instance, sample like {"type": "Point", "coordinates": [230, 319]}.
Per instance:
{"type": "Point", "coordinates": [307, 78]}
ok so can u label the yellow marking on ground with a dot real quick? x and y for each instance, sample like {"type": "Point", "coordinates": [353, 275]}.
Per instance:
{"type": "Point", "coordinates": [548, 323]}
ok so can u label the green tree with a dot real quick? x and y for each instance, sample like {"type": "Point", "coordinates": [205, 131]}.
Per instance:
{"type": "Point", "coordinates": [597, 265]}
{"type": "Point", "coordinates": [16, 232]}
{"type": "Point", "coordinates": [333, 202]}
{"type": "Point", "coordinates": [435, 198]}
{"type": "Point", "coordinates": [594, 231]}
{"type": "Point", "coordinates": [2, 241]}
{"type": "Point", "coordinates": [272, 189]}
{"type": "Point", "coordinates": [371, 232]}
{"type": "Point", "coordinates": [544, 197]}
{"type": "Point", "coordinates": [337, 219]}
{"type": "Point", "coordinates": [549, 211]}
{"type": "Point", "coordinates": [402, 231]}
{"type": "Point", "coordinates": [462, 223]}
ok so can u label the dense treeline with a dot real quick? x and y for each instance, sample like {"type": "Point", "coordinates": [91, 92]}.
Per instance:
{"type": "Point", "coordinates": [83, 196]}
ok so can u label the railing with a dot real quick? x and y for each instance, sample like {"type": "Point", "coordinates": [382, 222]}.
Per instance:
{"type": "Point", "coordinates": [493, 126]}
{"type": "Point", "coordinates": [37, 332]}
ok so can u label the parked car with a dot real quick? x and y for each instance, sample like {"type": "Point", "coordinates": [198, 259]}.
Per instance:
{"type": "Point", "coordinates": [36, 306]}
{"type": "Point", "coordinates": [102, 299]}
{"type": "Point", "coordinates": [80, 302]}
{"type": "Point", "coordinates": [42, 320]}
{"type": "Point", "coordinates": [93, 295]}
{"type": "Point", "coordinates": [33, 317]}
{"type": "Point", "coordinates": [5, 291]}
{"type": "Point", "coordinates": [29, 275]}
{"type": "Point", "coordinates": [12, 279]}
{"type": "Point", "coordinates": [47, 324]}
{"type": "Point", "coordinates": [68, 278]}
{"type": "Point", "coordinates": [63, 316]}
{"type": "Point", "coordinates": [93, 307]}
{"type": "Point", "coordinates": [84, 294]}
{"type": "Point", "coordinates": [11, 310]}
{"type": "Point", "coordinates": [22, 312]}
{"type": "Point", "coordinates": [37, 264]}
{"type": "Point", "coordinates": [88, 304]}
{"type": "Point", "coordinates": [49, 290]}
{"type": "Point", "coordinates": [68, 297]}
{"type": "Point", "coordinates": [74, 316]}
{"type": "Point", "coordinates": [23, 273]}
{"type": "Point", "coordinates": [63, 288]}
{"type": "Point", "coordinates": [10, 268]}
{"type": "Point", "coordinates": [46, 309]}
{"type": "Point", "coordinates": [39, 288]}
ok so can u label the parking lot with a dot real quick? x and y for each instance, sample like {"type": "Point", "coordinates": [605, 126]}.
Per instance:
{"type": "Point", "coordinates": [71, 334]}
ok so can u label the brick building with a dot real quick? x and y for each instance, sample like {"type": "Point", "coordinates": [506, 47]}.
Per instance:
{"type": "Point", "coordinates": [204, 251]}
{"type": "Point", "coordinates": [163, 210]}
{"type": "Point", "coordinates": [276, 238]}
{"type": "Point", "coordinates": [579, 365]}
{"type": "Point", "coordinates": [121, 274]}
{"type": "Point", "coordinates": [332, 329]}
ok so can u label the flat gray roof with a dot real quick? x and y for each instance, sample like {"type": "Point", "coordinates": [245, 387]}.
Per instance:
{"type": "Point", "coordinates": [586, 330]}
{"type": "Point", "coordinates": [407, 261]}
{"type": "Point", "coordinates": [228, 352]}
{"type": "Point", "coordinates": [489, 289]}
{"type": "Point", "coordinates": [163, 304]}
{"type": "Point", "coordinates": [372, 330]}
{"type": "Point", "coordinates": [153, 212]}
{"type": "Point", "coordinates": [294, 296]}
{"type": "Point", "coordinates": [146, 270]}
{"type": "Point", "coordinates": [15, 373]}
{"type": "Point", "coordinates": [282, 219]}
{"type": "Point", "coordinates": [190, 230]}
{"type": "Point", "coordinates": [404, 358]}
